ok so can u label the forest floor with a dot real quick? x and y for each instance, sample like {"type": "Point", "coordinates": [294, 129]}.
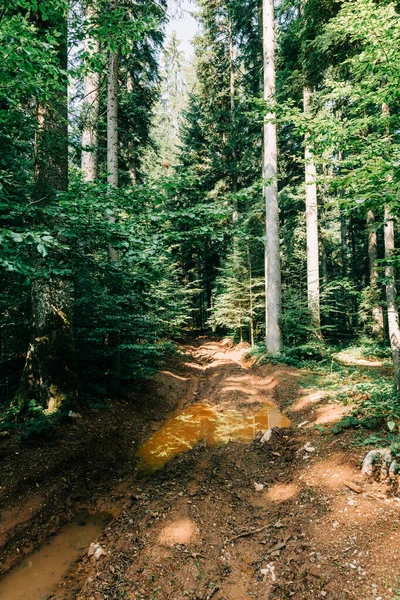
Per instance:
{"type": "Point", "coordinates": [225, 520]}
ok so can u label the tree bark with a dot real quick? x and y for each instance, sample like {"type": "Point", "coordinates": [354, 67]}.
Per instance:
{"type": "Point", "coordinates": [90, 107]}
{"type": "Point", "coordinates": [251, 309]}
{"type": "Point", "coordinates": [272, 256]}
{"type": "Point", "coordinates": [131, 165]}
{"type": "Point", "coordinates": [48, 376]}
{"type": "Point", "coordinates": [112, 116]}
{"type": "Point", "coordinates": [112, 126]}
{"type": "Point", "coordinates": [112, 168]}
{"type": "Point", "coordinates": [377, 312]}
{"type": "Point", "coordinates": [312, 229]}
{"type": "Point", "coordinates": [391, 295]}
{"type": "Point", "coordinates": [232, 114]}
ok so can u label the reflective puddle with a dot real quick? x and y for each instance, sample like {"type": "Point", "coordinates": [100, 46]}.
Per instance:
{"type": "Point", "coordinates": [37, 576]}
{"type": "Point", "coordinates": [201, 422]}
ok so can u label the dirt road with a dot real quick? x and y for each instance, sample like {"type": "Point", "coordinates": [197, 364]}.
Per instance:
{"type": "Point", "coordinates": [231, 520]}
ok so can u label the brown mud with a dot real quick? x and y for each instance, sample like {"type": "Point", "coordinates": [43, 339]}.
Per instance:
{"type": "Point", "coordinates": [225, 519]}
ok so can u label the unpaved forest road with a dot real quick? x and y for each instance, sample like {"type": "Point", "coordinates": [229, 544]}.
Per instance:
{"type": "Point", "coordinates": [198, 529]}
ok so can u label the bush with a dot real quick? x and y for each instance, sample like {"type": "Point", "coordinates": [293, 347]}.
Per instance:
{"type": "Point", "coordinates": [378, 406]}
{"type": "Point", "coordinates": [296, 356]}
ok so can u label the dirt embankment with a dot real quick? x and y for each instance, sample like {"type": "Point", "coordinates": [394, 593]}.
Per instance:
{"type": "Point", "coordinates": [288, 519]}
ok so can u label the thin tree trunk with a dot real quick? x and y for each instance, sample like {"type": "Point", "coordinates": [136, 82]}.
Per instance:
{"type": "Point", "coordinates": [112, 117]}
{"type": "Point", "coordinates": [343, 243]}
{"type": "Point", "coordinates": [377, 312]}
{"type": "Point", "coordinates": [112, 168]}
{"type": "Point", "coordinates": [251, 310]}
{"type": "Point", "coordinates": [324, 261]}
{"type": "Point", "coordinates": [312, 228]}
{"type": "Point", "coordinates": [112, 127]}
{"type": "Point", "coordinates": [48, 376]}
{"type": "Point", "coordinates": [272, 257]}
{"type": "Point", "coordinates": [131, 166]}
{"type": "Point", "coordinates": [391, 295]}
{"type": "Point", "coordinates": [343, 233]}
{"type": "Point", "coordinates": [232, 111]}
{"type": "Point", "coordinates": [90, 108]}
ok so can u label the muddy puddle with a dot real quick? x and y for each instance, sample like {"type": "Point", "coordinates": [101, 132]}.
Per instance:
{"type": "Point", "coordinates": [201, 422]}
{"type": "Point", "coordinates": [38, 575]}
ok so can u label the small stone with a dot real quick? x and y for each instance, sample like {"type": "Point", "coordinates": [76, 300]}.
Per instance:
{"type": "Point", "coordinates": [258, 487]}
{"type": "Point", "coordinates": [266, 437]}
{"type": "Point", "coordinates": [74, 415]}
{"type": "Point", "coordinates": [96, 550]}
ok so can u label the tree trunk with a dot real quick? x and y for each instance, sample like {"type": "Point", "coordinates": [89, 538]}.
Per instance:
{"type": "Point", "coordinates": [112, 116]}
{"type": "Point", "coordinates": [251, 309]}
{"type": "Point", "coordinates": [343, 243]}
{"type": "Point", "coordinates": [232, 114]}
{"type": "Point", "coordinates": [377, 312]}
{"type": "Point", "coordinates": [312, 229]}
{"type": "Point", "coordinates": [48, 376]}
{"type": "Point", "coordinates": [272, 257]}
{"type": "Point", "coordinates": [131, 165]}
{"type": "Point", "coordinates": [112, 127]}
{"type": "Point", "coordinates": [112, 168]}
{"type": "Point", "coordinates": [90, 108]}
{"type": "Point", "coordinates": [391, 295]}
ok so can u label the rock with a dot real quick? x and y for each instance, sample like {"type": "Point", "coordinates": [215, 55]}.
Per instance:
{"type": "Point", "coordinates": [269, 570]}
{"type": "Point", "coordinates": [394, 468]}
{"type": "Point", "coordinates": [96, 550]}
{"type": "Point", "coordinates": [373, 457]}
{"type": "Point", "coordinates": [258, 487]}
{"type": "Point", "coordinates": [266, 437]}
{"type": "Point", "coordinates": [74, 415]}
{"type": "Point", "coordinates": [309, 448]}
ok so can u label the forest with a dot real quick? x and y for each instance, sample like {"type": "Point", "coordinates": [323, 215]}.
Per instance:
{"type": "Point", "coordinates": [154, 206]}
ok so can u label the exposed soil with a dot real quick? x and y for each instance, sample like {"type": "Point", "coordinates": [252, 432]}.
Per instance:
{"type": "Point", "coordinates": [288, 519]}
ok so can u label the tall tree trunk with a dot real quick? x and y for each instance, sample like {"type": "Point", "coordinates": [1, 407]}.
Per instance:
{"type": "Point", "coordinates": [112, 168]}
{"type": "Point", "coordinates": [391, 295]}
{"type": "Point", "coordinates": [343, 243]}
{"type": "Point", "coordinates": [48, 376]}
{"type": "Point", "coordinates": [390, 276]}
{"type": "Point", "coordinates": [272, 257]}
{"type": "Point", "coordinates": [131, 165]}
{"type": "Point", "coordinates": [232, 114]}
{"type": "Point", "coordinates": [377, 312]}
{"type": "Point", "coordinates": [112, 115]}
{"type": "Point", "coordinates": [312, 228]}
{"type": "Point", "coordinates": [251, 308]}
{"type": "Point", "coordinates": [112, 126]}
{"type": "Point", "coordinates": [91, 103]}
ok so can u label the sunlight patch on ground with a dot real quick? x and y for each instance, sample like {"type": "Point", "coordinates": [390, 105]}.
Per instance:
{"type": "Point", "coordinates": [183, 531]}
{"type": "Point", "coordinates": [332, 413]}
{"type": "Point", "coordinates": [280, 492]}
{"type": "Point", "coordinates": [331, 472]}
{"type": "Point", "coordinates": [309, 399]}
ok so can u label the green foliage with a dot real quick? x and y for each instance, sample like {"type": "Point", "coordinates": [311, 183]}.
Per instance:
{"type": "Point", "coordinates": [304, 355]}
{"type": "Point", "coordinates": [375, 407]}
